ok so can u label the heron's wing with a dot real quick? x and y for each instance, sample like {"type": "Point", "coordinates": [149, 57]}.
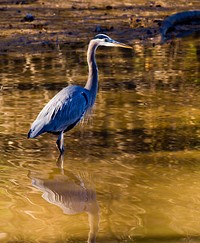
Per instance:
{"type": "Point", "coordinates": [62, 112]}
{"type": "Point", "coordinates": [69, 111]}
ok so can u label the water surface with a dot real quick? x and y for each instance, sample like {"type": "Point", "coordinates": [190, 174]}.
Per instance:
{"type": "Point", "coordinates": [131, 172]}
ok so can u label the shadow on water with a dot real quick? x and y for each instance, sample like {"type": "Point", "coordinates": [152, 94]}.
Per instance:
{"type": "Point", "coordinates": [73, 193]}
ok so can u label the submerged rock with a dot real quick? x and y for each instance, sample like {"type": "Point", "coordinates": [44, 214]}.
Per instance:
{"type": "Point", "coordinates": [186, 17]}
{"type": "Point", "coordinates": [29, 18]}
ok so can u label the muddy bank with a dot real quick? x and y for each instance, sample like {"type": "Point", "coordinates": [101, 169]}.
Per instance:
{"type": "Point", "coordinates": [35, 26]}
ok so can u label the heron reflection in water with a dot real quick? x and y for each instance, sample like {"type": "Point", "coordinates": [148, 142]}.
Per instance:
{"type": "Point", "coordinates": [73, 194]}
{"type": "Point", "coordinates": [69, 106]}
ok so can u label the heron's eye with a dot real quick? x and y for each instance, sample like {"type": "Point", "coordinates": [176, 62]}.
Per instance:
{"type": "Point", "coordinates": [106, 40]}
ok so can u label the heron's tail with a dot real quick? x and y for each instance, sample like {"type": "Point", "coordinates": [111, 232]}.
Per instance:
{"type": "Point", "coordinates": [37, 128]}
{"type": "Point", "coordinates": [31, 134]}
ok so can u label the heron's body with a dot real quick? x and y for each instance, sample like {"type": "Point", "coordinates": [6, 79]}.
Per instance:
{"type": "Point", "coordinates": [69, 106]}
{"type": "Point", "coordinates": [60, 113]}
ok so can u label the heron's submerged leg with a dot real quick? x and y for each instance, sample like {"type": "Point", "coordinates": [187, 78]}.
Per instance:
{"type": "Point", "coordinates": [60, 162]}
{"type": "Point", "coordinates": [60, 143]}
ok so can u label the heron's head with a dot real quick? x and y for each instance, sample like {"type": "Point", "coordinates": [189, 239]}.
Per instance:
{"type": "Point", "coordinates": [104, 40]}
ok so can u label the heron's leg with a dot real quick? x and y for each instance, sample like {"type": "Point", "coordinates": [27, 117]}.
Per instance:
{"type": "Point", "coordinates": [60, 162]}
{"type": "Point", "coordinates": [60, 142]}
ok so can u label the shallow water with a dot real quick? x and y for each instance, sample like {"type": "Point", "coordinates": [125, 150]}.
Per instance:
{"type": "Point", "coordinates": [131, 171]}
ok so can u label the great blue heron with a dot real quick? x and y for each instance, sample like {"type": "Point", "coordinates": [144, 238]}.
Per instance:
{"type": "Point", "coordinates": [69, 106]}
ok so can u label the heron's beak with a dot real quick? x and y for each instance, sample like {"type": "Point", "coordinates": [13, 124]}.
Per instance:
{"type": "Point", "coordinates": [119, 44]}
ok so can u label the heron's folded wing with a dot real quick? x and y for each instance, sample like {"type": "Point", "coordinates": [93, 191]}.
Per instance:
{"type": "Point", "coordinates": [69, 112]}
{"type": "Point", "coordinates": [63, 110]}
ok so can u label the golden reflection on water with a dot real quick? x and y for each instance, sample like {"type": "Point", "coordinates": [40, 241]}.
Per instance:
{"type": "Point", "coordinates": [132, 171]}
{"type": "Point", "coordinates": [73, 194]}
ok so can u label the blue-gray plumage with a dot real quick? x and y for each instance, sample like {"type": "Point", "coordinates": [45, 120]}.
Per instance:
{"type": "Point", "coordinates": [69, 106]}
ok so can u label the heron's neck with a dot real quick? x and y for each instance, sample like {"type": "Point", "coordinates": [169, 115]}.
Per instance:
{"type": "Point", "coordinates": [92, 82]}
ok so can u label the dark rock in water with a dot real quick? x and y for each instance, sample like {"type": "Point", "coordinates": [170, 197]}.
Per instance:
{"type": "Point", "coordinates": [29, 18]}
{"type": "Point", "coordinates": [100, 29]}
{"type": "Point", "coordinates": [181, 18]}
{"type": "Point", "coordinates": [149, 32]}
{"type": "Point", "coordinates": [22, 2]}
{"type": "Point", "coordinates": [158, 22]}
{"type": "Point", "coordinates": [109, 7]}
